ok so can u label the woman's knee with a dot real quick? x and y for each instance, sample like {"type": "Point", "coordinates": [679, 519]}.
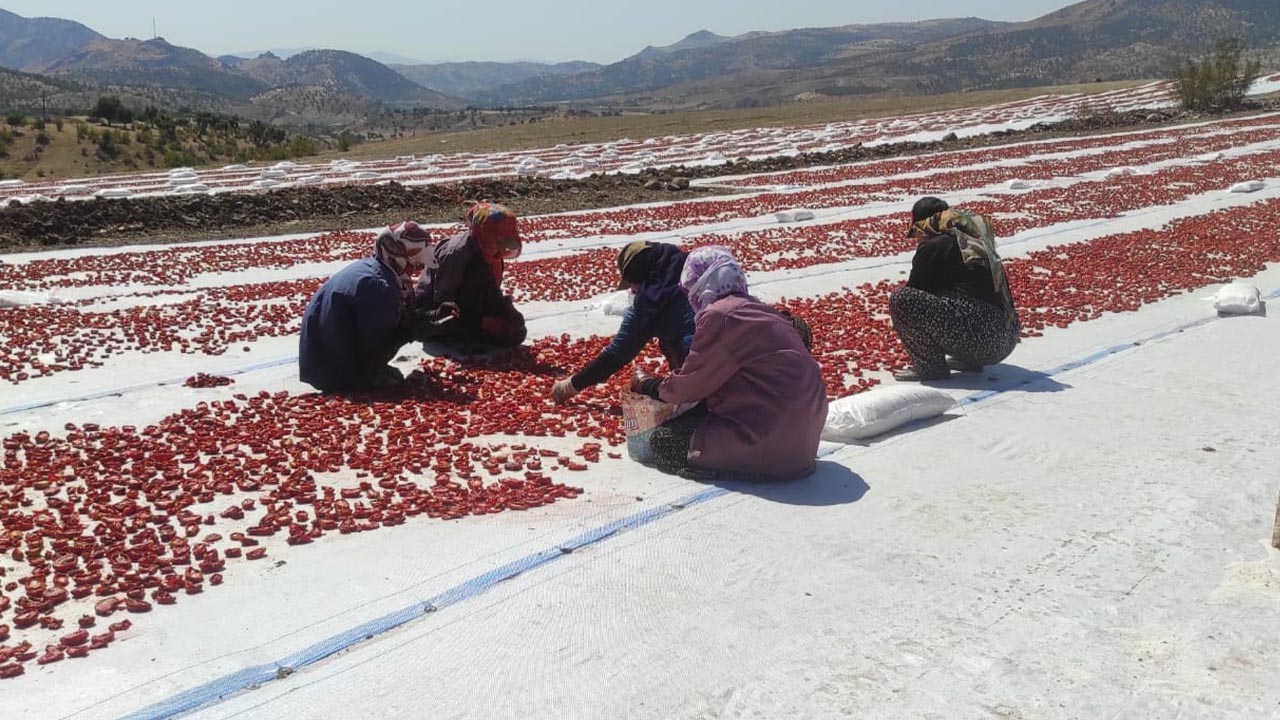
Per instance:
{"type": "Point", "coordinates": [901, 303]}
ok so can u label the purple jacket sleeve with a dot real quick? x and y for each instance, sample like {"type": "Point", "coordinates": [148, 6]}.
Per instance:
{"type": "Point", "coordinates": [710, 364]}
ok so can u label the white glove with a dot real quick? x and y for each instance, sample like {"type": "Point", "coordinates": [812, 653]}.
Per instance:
{"type": "Point", "coordinates": [563, 390]}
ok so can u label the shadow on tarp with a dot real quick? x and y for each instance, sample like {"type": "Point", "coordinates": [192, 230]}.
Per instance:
{"type": "Point", "coordinates": [830, 484]}
{"type": "Point", "coordinates": [1002, 378]}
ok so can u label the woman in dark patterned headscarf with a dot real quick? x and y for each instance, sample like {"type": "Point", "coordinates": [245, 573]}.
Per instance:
{"type": "Point", "coordinates": [956, 310]}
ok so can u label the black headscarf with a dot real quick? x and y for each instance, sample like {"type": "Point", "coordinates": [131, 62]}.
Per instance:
{"type": "Point", "coordinates": [662, 265]}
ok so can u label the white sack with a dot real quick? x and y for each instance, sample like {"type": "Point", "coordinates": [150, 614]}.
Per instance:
{"type": "Point", "coordinates": [1248, 187]}
{"type": "Point", "coordinates": [878, 411]}
{"type": "Point", "coordinates": [1238, 298]}
{"type": "Point", "coordinates": [618, 303]}
{"type": "Point", "coordinates": [18, 298]}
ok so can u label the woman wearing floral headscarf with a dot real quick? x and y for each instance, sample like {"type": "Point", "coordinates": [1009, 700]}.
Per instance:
{"type": "Point", "coordinates": [762, 403]}
{"type": "Point", "coordinates": [465, 272]}
{"type": "Point", "coordinates": [956, 311]}
{"type": "Point", "coordinates": [358, 320]}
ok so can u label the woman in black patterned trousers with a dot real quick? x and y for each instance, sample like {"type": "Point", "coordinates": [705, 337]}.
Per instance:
{"type": "Point", "coordinates": [956, 311]}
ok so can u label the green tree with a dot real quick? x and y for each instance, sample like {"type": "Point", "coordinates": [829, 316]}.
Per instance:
{"type": "Point", "coordinates": [110, 108]}
{"type": "Point", "coordinates": [15, 120]}
{"type": "Point", "coordinates": [1218, 82]}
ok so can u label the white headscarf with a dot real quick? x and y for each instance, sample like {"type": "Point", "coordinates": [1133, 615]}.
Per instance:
{"type": "Point", "coordinates": [711, 273]}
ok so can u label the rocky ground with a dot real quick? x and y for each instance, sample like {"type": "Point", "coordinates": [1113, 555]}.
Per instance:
{"type": "Point", "coordinates": [170, 219]}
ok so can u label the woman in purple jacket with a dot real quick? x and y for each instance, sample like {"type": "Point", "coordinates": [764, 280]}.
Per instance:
{"type": "Point", "coordinates": [760, 394]}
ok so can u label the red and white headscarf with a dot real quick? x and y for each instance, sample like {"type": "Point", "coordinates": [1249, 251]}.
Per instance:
{"type": "Point", "coordinates": [405, 248]}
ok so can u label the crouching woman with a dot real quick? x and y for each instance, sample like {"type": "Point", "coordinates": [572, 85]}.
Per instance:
{"type": "Point", "coordinates": [761, 399]}
{"type": "Point", "coordinates": [356, 322]}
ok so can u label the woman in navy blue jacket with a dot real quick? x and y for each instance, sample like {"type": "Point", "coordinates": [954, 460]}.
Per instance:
{"type": "Point", "coordinates": [359, 319]}
{"type": "Point", "coordinates": [660, 310]}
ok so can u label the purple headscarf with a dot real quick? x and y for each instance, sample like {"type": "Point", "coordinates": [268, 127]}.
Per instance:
{"type": "Point", "coordinates": [709, 274]}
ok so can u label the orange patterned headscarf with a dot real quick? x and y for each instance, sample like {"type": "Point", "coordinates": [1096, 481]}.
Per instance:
{"type": "Point", "coordinates": [497, 233]}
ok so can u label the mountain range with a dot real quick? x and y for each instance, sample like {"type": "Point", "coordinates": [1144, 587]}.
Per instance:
{"type": "Point", "coordinates": [1087, 41]}
{"type": "Point", "coordinates": [1090, 40]}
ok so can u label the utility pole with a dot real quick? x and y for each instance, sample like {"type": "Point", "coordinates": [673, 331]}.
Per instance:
{"type": "Point", "coordinates": [154, 34]}
{"type": "Point", "coordinates": [44, 106]}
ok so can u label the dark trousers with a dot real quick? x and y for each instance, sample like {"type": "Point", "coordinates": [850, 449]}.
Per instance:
{"type": "Point", "coordinates": [670, 441]}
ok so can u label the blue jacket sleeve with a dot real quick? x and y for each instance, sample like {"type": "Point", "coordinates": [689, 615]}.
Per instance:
{"type": "Point", "coordinates": [377, 316]}
{"type": "Point", "coordinates": [624, 348]}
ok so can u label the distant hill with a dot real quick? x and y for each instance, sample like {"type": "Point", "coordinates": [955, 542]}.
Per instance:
{"type": "Point", "coordinates": [705, 55]}
{"type": "Point", "coordinates": [153, 63]}
{"type": "Point", "coordinates": [32, 43]}
{"type": "Point", "coordinates": [251, 54]}
{"type": "Point", "coordinates": [1096, 39]}
{"type": "Point", "coordinates": [694, 41]}
{"type": "Point", "coordinates": [1091, 40]}
{"type": "Point", "coordinates": [476, 79]}
{"type": "Point", "coordinates": [343, 72]}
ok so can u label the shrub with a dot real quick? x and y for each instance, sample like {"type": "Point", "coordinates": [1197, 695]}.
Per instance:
{"type": "Point", "coordinates": [110, 108]}
{"type": "Point", "coordinates": [1218, 82]}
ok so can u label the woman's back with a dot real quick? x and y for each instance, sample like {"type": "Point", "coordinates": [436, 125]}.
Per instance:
{"type": "Point", "coordinates": [768, 404]}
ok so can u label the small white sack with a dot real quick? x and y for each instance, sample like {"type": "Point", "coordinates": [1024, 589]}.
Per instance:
{"type": "Point", "coordinates": [1021, 184]}
{"type": "Point", "coordinates": [1248, 187]}
{"type": "Point", "coordinates": [798, 215]}
{"type": "Point", "coordinates": [618, 303]}
{"type": "Point", "coordinates": [1121, 172]}
{"type": "Point", "coordinates": [881, 410]}
{"type": "Point", "coordinates": [18, 298]}
{"type": "Point", "coordinates": [1238, 298]}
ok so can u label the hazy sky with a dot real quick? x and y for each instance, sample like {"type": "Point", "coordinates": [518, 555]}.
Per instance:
{"type": "Point", "coordinates": [598, 30]}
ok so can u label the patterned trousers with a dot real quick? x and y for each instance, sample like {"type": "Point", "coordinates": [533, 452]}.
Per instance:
{"type": "Point", "coordinates": [670, 441]}
{"type": "Point", "coordinates": [932, 327]}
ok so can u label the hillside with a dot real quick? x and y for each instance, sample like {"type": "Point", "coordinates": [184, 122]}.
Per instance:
{"type": "Point", "coordinates": [30, 43]}
{"type": "Point", "coordinates": [153, 63]}
{"type": "Point", "coordinates": [1108, 39]}
{"type": "Point", "coordinates": [18, 89]}
{"type": "Point", "coordinates": [474, 80]}
{"type": "Point", "coordinates": [342, 72]}
{"type": "Point", "coordinates": [704, 55]}
{"type": "Point", "coordinates": [311, 105]}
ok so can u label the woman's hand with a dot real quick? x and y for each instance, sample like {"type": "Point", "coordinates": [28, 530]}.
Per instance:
{"type": "Point", "coordinates": [643, 383]}
{"type": "Point", "coordinates": [563, 390]}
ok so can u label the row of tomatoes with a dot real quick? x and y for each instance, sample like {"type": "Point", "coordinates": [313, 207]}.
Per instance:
{"type": "Point", "coordinates": [1175, 142]}
{"type": "Point", "coordinates": [123, 518]}
{"type": "Point", "coordinates": [45, 340]}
